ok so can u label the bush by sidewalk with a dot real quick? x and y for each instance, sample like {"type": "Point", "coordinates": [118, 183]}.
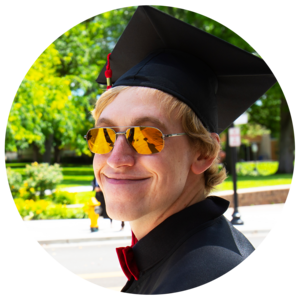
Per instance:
{"type": "Point", "coordinates": [14, 181]}
{"type": "Point", "coordinates": [47, 210]}
{"type": "Point", "coordinates": [251, 168]}
{"type": "Point", "coordinates": [58, 205]}
{"type": "Point", "coordinates": [36, 180]}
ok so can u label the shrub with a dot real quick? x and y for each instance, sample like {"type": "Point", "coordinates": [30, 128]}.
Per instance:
{"type": "Point", "coordinates": [262, 168]}
{"type": "Point", "coordinates": [14, 181]}
{"type": "Point", "coordinates": [245, 168]}
{"type": "Point", "coordinates": [63, 197]}
{"type": "Point", "coordinates": [41, 177]}
{"type": "Point", "coordinates": [27, 192]}
{"type": "Point", "coordinates": [84, 197]}
{"type": "Point", "coordinates": [45, 209]}
{"type": "Point", "coordinates": [267, 168]}
{"type": "Point", "coordinates": [30, 209]}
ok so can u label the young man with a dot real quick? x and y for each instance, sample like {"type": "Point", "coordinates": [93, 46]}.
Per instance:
{"type": "Point", "coordinates": [156, 143]}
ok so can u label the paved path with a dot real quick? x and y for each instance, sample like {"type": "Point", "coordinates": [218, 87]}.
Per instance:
{"type": "Point", "coordinates": [257, 219]}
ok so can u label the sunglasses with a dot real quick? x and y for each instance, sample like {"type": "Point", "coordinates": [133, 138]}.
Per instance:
{"type": "Point", "coordinates": [143, 139]}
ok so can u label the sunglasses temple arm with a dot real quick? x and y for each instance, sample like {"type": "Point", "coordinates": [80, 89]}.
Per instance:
{"type": "Point", "coordinates": [174, 134]}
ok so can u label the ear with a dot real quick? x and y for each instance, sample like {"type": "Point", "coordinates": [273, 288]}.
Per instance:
{"type": "Point", "coordinates": [201, 164]}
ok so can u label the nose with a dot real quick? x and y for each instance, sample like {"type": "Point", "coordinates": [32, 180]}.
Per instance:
{"type": "Point", "coordinates": [122, 154]}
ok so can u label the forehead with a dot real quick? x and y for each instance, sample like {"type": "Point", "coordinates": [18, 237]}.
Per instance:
{"type": "Point", "coordinates": [133, 106]}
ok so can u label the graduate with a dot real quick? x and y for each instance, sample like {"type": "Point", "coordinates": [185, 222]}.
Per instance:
{"type": "Point", "coordinates": [171, 89]}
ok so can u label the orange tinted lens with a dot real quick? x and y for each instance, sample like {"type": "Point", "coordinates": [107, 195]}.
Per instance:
{"type": "Point", "coordinates": [145, 140]}
{"type": "Point", "coordinates": [101, 140]}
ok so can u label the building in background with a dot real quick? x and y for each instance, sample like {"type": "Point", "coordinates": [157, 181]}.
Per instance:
{"type": "Point", "coordinates": [267, 148]}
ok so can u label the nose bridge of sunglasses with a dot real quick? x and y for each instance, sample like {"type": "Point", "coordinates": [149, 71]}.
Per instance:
{"type": "Point", "coordinates": [140, 139]}
{"type": "Point", "coordinates": [125, 134]}
{"type": "Point", "coordinates": [128, 132]}
{"type": "Point", "coordinates": [120, 133]}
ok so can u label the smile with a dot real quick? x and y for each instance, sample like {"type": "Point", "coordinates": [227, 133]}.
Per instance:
{"type": "Point", "coordinates": [124, 180]}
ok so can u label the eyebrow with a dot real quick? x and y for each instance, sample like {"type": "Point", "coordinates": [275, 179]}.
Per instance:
{"type": "Point", "coordinates": [135, 122]}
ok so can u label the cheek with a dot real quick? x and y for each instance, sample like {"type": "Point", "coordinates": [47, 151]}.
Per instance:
{"type": "Point", "coordinates": [171, 169]}
{"type": "Point", "coordinates": [98, 163]}
{"type": "Point", "coordinates": [180, 162]}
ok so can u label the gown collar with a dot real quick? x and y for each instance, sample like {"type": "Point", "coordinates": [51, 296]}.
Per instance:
{"type": "Point", "coordinates": [159, 242]}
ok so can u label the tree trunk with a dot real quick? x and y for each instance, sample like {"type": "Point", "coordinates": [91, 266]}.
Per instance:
{"type": "Point", "coordinates": [36, 151]}
{"type": "Point", "coordinates": [57, 154]}
{"type": "Point", "coordinates": [286, 140]}
{"type": "Point", "coordinates": [48, 147]}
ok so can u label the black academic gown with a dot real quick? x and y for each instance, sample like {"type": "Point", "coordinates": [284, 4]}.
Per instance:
{"type": "Point", "coordinates": [188, 249]}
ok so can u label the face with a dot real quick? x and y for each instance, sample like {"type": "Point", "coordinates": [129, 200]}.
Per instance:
{"type": "Point", "coordinates": [138, 186]}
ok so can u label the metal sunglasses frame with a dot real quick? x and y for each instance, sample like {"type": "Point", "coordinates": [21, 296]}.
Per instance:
{"type": "Point", "coordinates": [124, 133]}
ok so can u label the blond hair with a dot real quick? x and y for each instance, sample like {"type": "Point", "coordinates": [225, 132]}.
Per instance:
{"type": "Point", "coordinates": [191, 124]}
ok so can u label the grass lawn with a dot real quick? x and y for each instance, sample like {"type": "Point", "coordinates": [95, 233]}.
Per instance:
{"type": "Point", "coordinates": [244, 182]}
{"type": "Point", "coordinates": [75, 176]}
{"type": "Point", "coordinates": [83, 197]}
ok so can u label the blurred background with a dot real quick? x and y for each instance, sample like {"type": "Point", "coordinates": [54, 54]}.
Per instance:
{"type": "Point", "coordinates": [49, 166]}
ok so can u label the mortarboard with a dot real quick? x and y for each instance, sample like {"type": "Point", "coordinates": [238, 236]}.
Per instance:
{"type": "Point", "coordinates": [217, 80]}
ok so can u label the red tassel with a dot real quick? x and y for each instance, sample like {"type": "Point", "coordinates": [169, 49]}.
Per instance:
{"type": "Point", "coordinates": [108, 73]}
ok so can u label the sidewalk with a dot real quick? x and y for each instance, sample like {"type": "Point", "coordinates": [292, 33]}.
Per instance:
{"type": "Point", "coordinates": [74, 189]}
{"type": "Point", "coordinates": [76, 231]}
{"type": "Point", "coordinates": [258, 219]}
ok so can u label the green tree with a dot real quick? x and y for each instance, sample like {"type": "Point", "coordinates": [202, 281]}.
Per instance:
{"type": "Point", "coordinates": [82, 52]}
{"type": "Point", "coordinates": [45, 110]}
{"type": "Point", "coordinates": [52, 106]}
{"type": "Point", "coordinates": [27, 119]}
{"type": "Point", "coordinates": [84, 48]}
{"type": "Point", "coordinates": [272, 111]}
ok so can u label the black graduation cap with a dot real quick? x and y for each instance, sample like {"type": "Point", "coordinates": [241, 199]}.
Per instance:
{"type": "Point", "coordinates": [216, 79]}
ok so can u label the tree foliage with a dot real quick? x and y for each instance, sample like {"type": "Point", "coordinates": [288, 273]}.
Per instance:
{"type": "Point", "coordinates": [84, 49]}
{"type": "Point", "coordinates": [44, 107]}
{"type": "Point", "coordinates": [266, 111]}
{"type": "Point", "coordinates": [53, 103]}
{"type": "Point", "coordinates": [40, 96]}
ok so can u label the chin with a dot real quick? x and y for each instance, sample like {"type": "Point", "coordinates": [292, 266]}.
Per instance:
{"type": "Point", "coordinates": [122, 210]}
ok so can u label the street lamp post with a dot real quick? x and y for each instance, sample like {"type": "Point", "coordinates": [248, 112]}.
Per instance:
{"type": "Point", "coordinates": [236, 216]}
{"type": "Point", "coordinates": [234, 141]}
